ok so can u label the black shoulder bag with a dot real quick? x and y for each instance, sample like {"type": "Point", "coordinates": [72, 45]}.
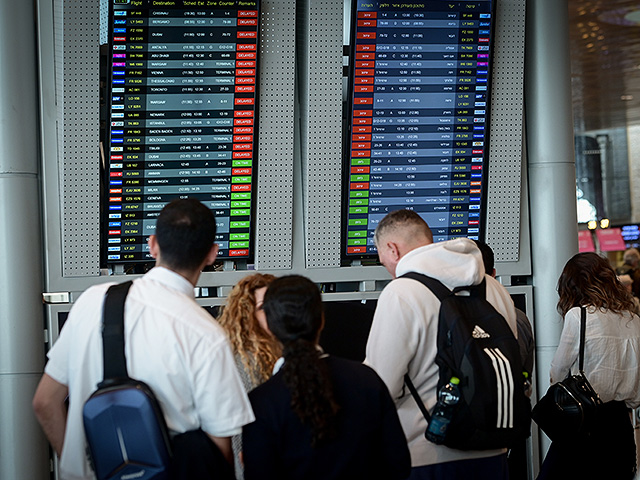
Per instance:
{"type": "Point", "coordinates": [569, 408]}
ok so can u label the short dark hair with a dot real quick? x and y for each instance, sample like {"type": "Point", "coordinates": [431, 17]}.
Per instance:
{"type": "Point", "coordinates": [402, 218]}
{"type": "Point", "coordinates": [185, 232]}
{"type": "Point", "coordinates": [487, 256]}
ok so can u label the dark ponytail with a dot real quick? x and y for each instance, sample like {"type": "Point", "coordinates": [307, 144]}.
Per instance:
{"type": "Point", "coordinates": [293, 307]}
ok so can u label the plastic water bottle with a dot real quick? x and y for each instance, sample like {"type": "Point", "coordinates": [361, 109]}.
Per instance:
{"type": "Point", "coordinates": [448, 397]}
{"type": "Point", "coordinates": [527, 384]}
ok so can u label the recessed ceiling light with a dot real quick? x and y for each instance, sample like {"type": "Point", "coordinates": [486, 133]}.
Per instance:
{"type": "Point", "coordinates": [629, 16]}
{"type": "Point", "coordinates": [626, 97]}
{"type": "Point", "coordinates": [633, 16]}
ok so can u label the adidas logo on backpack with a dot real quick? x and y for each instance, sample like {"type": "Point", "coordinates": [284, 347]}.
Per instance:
{"type": "Point", "coordinates": [479, 333]}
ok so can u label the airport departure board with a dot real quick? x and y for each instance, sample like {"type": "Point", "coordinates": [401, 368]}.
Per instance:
{"type": "Point", "coordinates": [419, 92]}
{"type": "Point", "coordinates": [182, 119]}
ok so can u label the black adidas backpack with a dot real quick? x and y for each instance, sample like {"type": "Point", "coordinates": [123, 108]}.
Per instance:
{"type": "Point", "coordinates": [476, 344]}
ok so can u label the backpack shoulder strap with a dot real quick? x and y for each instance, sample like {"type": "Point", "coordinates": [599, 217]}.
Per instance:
{"type": "Point", "coordinates": [416, 397]}
{"type": "Point", "coordinates": [114, 361]}
{"type": "Point", "coordinates": [442, 292]}
{"type": "Point", "coordinates": [436, 286]}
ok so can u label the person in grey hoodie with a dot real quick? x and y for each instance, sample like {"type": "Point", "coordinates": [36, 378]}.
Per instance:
{"type": "Point", "coordinates": [404, 332]}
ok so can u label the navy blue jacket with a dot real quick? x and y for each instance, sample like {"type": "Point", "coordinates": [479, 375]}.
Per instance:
{"type": "Point", "coordinates": [370, 441]}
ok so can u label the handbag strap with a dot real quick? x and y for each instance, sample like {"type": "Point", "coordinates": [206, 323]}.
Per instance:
{"type": "Point", "coordinates": [114, 360]}
{"type": "Point", "coordinates": [583, 331]}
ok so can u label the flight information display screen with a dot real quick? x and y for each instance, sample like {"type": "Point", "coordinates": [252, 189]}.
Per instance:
{"type": "Point", "coordinates": [631, 235]}
{"type": "Point", "coordinates": [419, 92]}
{"type": "Point", "coordinates": [182, 119]}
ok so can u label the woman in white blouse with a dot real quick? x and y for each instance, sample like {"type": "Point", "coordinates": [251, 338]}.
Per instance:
{"type": "Point", "coordinates": [611, 363]}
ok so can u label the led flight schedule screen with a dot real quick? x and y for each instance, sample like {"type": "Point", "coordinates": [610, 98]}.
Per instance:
{"type": "Point", "coordinates": [182, 119]}
{"type": "Point", "coordinates": [419, 117]}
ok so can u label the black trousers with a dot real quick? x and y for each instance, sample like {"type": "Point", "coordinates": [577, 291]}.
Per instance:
{"type": "Point", "coordinates": [609, 452]}
{"type": "Point", "coordinates": [488, 468]}
{"type": "Point", "coordinates": [196, 457]}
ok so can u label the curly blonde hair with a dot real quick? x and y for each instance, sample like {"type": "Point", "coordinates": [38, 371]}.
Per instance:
{"type": "Point", "coordinates": [258, 350]}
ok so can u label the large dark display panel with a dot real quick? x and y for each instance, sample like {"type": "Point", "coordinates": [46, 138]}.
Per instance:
{"type": "Point", "coordinates": [420, 75]}
{"type": "Point", "coordinates": [182, 119]}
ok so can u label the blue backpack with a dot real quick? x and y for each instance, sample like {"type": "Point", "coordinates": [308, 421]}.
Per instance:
{"type": "Point", "coordinates": [124, 426]}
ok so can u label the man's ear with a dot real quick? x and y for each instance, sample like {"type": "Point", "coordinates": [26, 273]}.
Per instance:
{"type": "Point", "coordinates": [153, 246]}
{"type": "Point", "coordinates": [394, 249]}
{"type": "Point", "coordinates": [211, 256]}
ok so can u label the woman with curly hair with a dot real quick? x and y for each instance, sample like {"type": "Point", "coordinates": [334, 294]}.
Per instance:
{"type": "Point", "coordinates": [318, 417]}
{"type": "Point", "coordinates": [253, 346]}
{"type": "Point", "coordinates": [242, 318]}
{"type": "Point", "coordinates": [611, 363]}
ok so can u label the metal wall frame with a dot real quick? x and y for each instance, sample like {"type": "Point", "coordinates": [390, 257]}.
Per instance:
{"type": "Point", "coordinates": [300, 149]}
{"type": "Point", "coordinates": [506, 148]}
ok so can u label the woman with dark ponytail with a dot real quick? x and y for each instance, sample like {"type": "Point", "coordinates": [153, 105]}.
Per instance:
{"type": "Point", "coordinates": [318, 417]}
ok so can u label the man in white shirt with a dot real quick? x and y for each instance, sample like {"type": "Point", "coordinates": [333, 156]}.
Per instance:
{"type": "Point", "coordinates": [404, 332]}
{"type": "Point", "coordinates": [171, 344]}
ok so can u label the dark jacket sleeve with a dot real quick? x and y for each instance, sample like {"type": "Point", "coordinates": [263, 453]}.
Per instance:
{"type": "Point", "coordinates": [525, 341]}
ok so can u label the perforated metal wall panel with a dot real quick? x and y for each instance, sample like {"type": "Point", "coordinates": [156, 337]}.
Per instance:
{"type": "Point", "coordinates": [77, 62]}
{"type": "Point", "coordinates": [276, 124]}
{"type": "Point", "coordinates": [506, 133]}
{"type": "Point", "coordinates": [104, 21]}
{"type": "Point", "coordinates": [322, 124]}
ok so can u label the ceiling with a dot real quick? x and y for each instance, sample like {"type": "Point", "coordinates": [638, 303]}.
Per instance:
{"type": "Point", "coordinates": [605, 63]}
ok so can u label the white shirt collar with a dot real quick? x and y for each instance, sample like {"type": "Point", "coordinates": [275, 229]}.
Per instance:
{"type": "Point", "coordinates": [280, 362]}
{"type": "Point", "coordinates": [278, 365]}
{"type": "Point", "coordinates": [172, 280]}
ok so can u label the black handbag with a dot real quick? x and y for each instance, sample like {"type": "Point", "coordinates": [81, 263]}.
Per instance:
{"type": "Point", "coordinates": [570, 407]}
